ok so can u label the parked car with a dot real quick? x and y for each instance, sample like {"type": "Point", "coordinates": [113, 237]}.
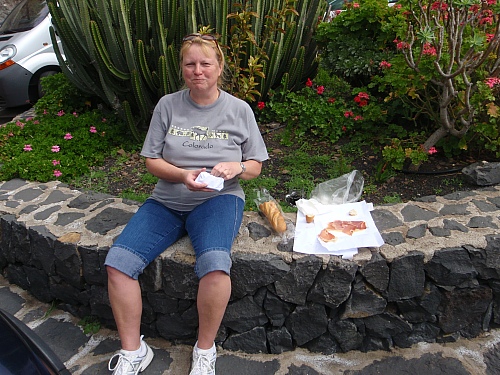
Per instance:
{"type": "Point", "coordinates": [22, 352]}
{"type": "Point", "coordinates": [26, 53]}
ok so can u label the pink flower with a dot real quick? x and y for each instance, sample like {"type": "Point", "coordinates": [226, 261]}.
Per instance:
{"type": "Point", "coordinates": [57, 173]}
{"type": "Point", "coordinates": [400, 44]}
{"type": "Point", "coordinates": [429, 50]}
{"type": "Point", "coordinates": [358, 118]}
{"type": "Point", "coordinates": [486, 21]}
{"type": "Point", "coordinates": [93, 129]}
{"type": "Point", "coordinates": [29, 118]}
{"type": "Point", "coordinates": [492, 81]}
{"type": "Point", "coordinates": [344, 129]}
{"type": "Point", "coordinates": [261, 105]}
{"type": "Point", "coordinates": [432, 150]}
{"type": "Point", "coordinates": [320, 90]}
{"type": "Point", "coordinates": [104, 120]}
{"type": "Point", "coordinates": [68, 136]}
{"type": "Point", "coordinates": [45, 112]}
{"type": "Point", "coordinates": [363, 95]}
{"type": "Point", "coordinates": [362, 99]}
{"type": "Point", "coordinates": [60, 113]}
{"type": "Point", "coordinates": [36, 122]}
{"type": "Point", "coordinates": [385, 65]}
{"type": "Point", "coordinates": [331, 100]}
{"type": "Point", "coordinates": [355, 5]}
{"type": "Point", "coordinates": [348, 114]}
{"type": "Point", "coordinates": [75, 114]}
{"type": "Point", "coordinates": [20, 124]}
{"type": "Point", "coordinates": [438, 5]}
{"type": "Point", "coordinates": [55, 148]}
{"type": "Point", "coordinates": [27, 148]}
{"type": "Point", "coordinates": [474, 8]}
{"type": "Point", "coordinates": [489, 37]}
{"type": "Point", "coordinates": [55, 162]}
{"type": "Point", "coordinates": [309, 83]}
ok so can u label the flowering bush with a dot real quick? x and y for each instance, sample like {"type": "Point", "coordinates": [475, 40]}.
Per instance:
{"type": "Point", "coordinates": [487, 128]}
{"type": "Point", "coordinates": [328, 108]}
{"type": "Point", "coordinates": [55, 146]}
{"type": "Point", "coordinates": [396, 154]}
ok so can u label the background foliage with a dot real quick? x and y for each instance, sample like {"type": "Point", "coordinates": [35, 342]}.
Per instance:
{"type": "Point", "coordinates": [448, 51]}
{"type": "Point", "coordinates": [365, 94]}
{"type": "Point", "coordinates": [126, 52]}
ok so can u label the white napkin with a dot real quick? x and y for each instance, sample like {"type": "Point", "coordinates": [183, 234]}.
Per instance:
{"type": "Point", "coordinates": [213, 182]}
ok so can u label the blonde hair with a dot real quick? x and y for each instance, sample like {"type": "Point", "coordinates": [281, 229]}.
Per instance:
{"type": "Point", "coordinates": [206, 45]}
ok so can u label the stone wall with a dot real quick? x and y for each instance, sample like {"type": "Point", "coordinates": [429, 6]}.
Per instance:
{"type": "Point", "coordinates": [436, 278]}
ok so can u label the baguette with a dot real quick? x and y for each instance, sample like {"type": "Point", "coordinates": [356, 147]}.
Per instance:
{"type": "Point", "coordinates": [272, 212]}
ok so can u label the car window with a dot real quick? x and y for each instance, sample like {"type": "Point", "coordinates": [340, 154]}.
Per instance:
{"type": "Point", "coordinates": [25, 16]}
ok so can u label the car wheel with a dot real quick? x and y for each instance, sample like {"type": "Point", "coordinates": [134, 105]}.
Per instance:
{"type": "Point", "coordinates": [36, 90]}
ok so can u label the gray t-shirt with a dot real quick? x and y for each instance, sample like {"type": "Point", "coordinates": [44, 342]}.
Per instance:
{"type": "Point", "coordinates": [192, 136]}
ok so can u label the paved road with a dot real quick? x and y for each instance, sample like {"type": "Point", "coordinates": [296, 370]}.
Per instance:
{"type": "Point", "coordinates": [7, 114]}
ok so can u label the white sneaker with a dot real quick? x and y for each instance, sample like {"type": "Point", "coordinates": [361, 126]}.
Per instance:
{"type": "Point", "coordinates": [131, 365]}
{"type": "Point", "coordinates": [203, 364]}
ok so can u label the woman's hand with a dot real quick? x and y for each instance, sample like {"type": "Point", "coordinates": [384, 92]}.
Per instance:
{"type": "Point", "coordinates": [191, 184]}
{"type": "Point", "coordinates": [226, 170]}
{"type": "Point", "coordinates": [232, 169]}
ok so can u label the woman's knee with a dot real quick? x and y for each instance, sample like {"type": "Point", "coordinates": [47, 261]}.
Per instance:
{"type": "Point", "coordinates": [115, 275]}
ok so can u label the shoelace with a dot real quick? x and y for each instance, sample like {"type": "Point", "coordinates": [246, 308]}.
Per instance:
{"type": "Point", "coordinates": [203, 363]}
{"type": "Point", "coordinates": [121, 359]}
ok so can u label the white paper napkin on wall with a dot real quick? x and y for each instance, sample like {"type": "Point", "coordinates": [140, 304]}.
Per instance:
{"type": "Point", "coordinates": [306, 234]}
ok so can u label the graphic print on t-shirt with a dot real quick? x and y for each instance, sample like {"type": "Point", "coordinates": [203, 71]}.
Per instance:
{"type": "Point", "coordinates": [198, 133]}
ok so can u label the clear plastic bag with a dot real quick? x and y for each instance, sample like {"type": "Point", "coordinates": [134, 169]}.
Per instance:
{"type": "Point", "coordinates": [271, 210]}
{"type": "Point", "coordinates": [344, 189]}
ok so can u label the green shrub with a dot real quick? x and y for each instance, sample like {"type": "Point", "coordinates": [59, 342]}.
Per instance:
{"type": "Point", "coordinates": [357, 41]}
{"type": "Point", "coordinates": [62, 95]}
{"type": "Point", "coordinates": [486, 132]}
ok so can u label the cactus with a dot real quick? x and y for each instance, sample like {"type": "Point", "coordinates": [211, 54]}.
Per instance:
{"type": "Point", "coordinates": [126, 52]}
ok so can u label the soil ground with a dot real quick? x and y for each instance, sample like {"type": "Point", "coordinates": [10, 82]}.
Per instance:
{"type": "Point", "coordinates": [438, 176]}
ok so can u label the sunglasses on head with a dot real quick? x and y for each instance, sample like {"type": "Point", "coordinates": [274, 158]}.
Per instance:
{"type": "Point", "coordinates": [202, 36]}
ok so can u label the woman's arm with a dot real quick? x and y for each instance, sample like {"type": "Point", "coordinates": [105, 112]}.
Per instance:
{"type": "Point", "coordinates": [228, 170]}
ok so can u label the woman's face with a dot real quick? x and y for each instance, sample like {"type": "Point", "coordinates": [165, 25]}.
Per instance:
{"type": "Point", "coordinates": [200, 68]}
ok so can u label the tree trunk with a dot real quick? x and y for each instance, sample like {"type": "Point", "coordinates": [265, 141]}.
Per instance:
{"type": "Point", "coordinates": [431, 141]}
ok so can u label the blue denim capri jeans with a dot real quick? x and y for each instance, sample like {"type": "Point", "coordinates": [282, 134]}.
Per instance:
{"type": "Point", "coordinates": [212, 227]}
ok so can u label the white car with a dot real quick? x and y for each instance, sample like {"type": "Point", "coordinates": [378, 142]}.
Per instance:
{"type": "Point", "coordinates": [26, 53]}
